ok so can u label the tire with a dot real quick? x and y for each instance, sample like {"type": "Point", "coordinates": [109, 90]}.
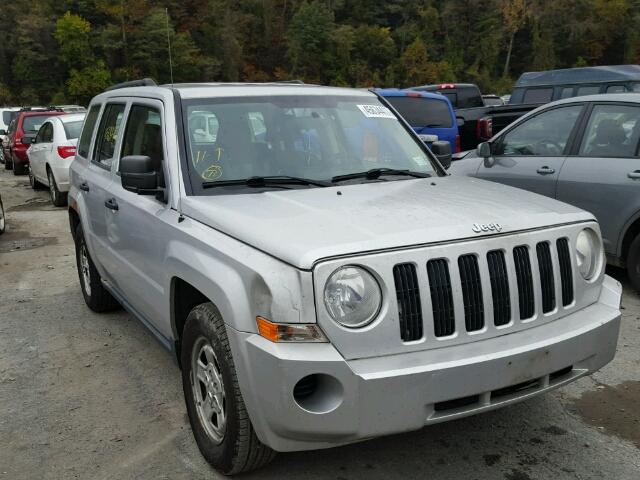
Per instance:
{"type": "Point", "coordinates": [58, 198]}
{"type": "Point", "coordinates": [95, 295]}
{"type": "Point", "coordinates": [35, 184]}
{"type": "Point", "coordinates": [633, 263]}
{"type": "Point", "coordinates": [8, 164]}
{"type": "Point", "coordinates": [19, 168]}
{"type": "Point", "coordinates": [234, 447]}
{"type": "Point", "coordinates": [3, 219]}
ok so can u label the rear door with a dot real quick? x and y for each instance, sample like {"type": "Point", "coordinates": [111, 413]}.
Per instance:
{"type": "Point", "coordinates": [37, 151]}
{"type": "Point", "coordinates": [603, 173]}
{"type": "Point", "coordinates": [139, 226]}
{"type": "Point", "coordinates": [530, 155]}
{"type": "Point", "coordinates": [98, 177]}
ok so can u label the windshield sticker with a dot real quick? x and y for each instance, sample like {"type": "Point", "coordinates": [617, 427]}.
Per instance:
{"type": "Point", "coordinates": [376, 111]}
{"type": "Point", "coordinates": [213, 172]}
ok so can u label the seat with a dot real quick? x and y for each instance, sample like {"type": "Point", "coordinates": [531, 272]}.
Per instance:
{"type": "Point", "coordinates": [609, 140]}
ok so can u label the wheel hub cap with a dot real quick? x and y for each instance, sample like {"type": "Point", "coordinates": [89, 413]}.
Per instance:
{"type": "Point", "coordinates": [84, 269]}
{"type": "Point", "coordinates": [208, 390]}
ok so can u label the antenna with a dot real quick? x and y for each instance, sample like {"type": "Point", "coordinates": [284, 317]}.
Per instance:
{"type": "Point", "coordinates": [166, 11]}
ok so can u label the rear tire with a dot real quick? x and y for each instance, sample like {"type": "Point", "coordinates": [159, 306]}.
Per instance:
{"type": "Point", "coordinates": [3, 219]}
{"type": "Point", "coordinates": [58, 198]}
{"type": "Point", "coordinates": [19, 168]}
{"type": "Point", "coordinates": [95, 295]}
{"type": "Point", "coordinates": [633, 263]}
{"type": "Point", "coordinates": [8, 164]}
{"type": "Point", "coordinates": [217, 413]}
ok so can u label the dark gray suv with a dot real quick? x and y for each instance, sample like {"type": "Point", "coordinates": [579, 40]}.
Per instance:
{"type": "Point", "coordinates": [583, 151]}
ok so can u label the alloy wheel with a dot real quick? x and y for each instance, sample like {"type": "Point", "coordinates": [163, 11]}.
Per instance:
{"type": "Point", "coordinates": [208, 390]}
{"type": "Point", "coordinates": [84, 269]}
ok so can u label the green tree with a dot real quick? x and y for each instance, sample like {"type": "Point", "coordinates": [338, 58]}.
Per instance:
{"type": "Point", "coordinates": [72, 34]}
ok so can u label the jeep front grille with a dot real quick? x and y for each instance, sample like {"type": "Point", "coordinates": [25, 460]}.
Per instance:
{"type": "Point", "coordinates": [534, 279]}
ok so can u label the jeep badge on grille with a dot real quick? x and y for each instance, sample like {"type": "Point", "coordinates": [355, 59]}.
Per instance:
{"type": "Point", "coordinates": [487, 227]}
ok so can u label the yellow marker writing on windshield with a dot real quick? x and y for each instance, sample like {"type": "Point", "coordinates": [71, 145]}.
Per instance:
{"type": "Point", "coordinates": [200, 154]}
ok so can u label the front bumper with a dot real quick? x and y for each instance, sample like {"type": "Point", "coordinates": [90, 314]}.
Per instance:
{"type": "Point", "coordinates": [398, 393]}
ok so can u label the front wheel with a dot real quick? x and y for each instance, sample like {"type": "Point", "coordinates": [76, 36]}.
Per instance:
{"type": "Point", "coordinates": [19, 168]}
{"type": "Point", "coordinates": [217, 413]}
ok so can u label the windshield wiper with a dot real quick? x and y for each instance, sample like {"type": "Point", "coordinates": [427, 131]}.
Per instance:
{"type": "Point", "coordinates": [375, 173]}
{"type": "Point", "coordinates": [268, 181]}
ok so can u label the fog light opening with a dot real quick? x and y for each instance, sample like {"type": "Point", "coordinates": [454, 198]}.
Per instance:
{"type": "Point", "coordinates": [318, 393]}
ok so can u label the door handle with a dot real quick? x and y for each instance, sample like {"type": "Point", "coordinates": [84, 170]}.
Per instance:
{"type": "Point", "coordinates": [111, 204]}
{"type": "Point", "coordinates": [84, 186]}
{"type": "Point", "coordinates": [635, 174]}
{"type": "Point", "coordinates": [545, 170]}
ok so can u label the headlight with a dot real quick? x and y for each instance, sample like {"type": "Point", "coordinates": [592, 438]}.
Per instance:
{"type": "Point", "coordinates": [588, 253]}
{"type": "Point", "coordinates": [352, 297]}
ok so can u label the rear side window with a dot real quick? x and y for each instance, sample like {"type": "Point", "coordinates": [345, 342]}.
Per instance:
{"type": "Point", "coordinates": [45, 134]}
{"type": "Point", "coordinates": [566, 92]}
{"type": "Point", "coordinates": [616, 89]}
{"type": "Point", "coordinates": [537, 95]}
{"type": "Point", "coordinates": [588, 90]}
{"type": "Point", "coordinates": [87, 131]}
{"type": "Point", "coordinates": [423, 112]}
{"type": "Point", "coordinates": [613, 131]}
{"type": "Point", "coordinates": [72, 129]}
{"type": "Point", "coordinates": [108, 132]}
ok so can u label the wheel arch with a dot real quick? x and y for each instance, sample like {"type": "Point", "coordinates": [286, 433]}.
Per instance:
{"type": "Point", "coordinates": [631, 230]}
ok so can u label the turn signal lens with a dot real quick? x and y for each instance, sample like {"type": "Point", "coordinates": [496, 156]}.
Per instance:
{"type": "Point", "coordinates": [289, 332]}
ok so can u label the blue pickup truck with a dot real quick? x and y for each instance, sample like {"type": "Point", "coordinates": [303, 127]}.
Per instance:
{"type": "Point", "coordinates": [429, 114]}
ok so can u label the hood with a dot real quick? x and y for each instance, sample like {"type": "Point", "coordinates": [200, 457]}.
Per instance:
{"type": "Point", "coordinates": [302, 226]}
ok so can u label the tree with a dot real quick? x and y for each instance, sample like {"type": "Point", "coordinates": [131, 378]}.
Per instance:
{"type": "Point", "coordinates": [514, 13]}
{"type": "Point", "coordinates": [72, 34]}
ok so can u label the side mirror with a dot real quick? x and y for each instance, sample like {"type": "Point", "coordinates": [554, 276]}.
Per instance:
{"type": "Point", "coordinates": [460, 121]}
{"type": "Point", "coordinates": [442, 151]}
{"type": "Point", "coordinates": [28, 139]}
{"type": "Point", "coordinates": [483, 150]}
{"type": "Point", "coordinates": [138, 174]}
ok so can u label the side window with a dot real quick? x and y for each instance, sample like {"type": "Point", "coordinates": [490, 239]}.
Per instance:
{"type": "Point", "coordinates": [537, 95]}
{"type": "Point", "coordinates": [566, 92]}
{"type": "Point", "coordinates": [545, 134]}
{"type": "Point", "coordinates": [143, 136]}
{"type": "Point", "coordinates": [613, 131]}
{"type": "Point", "coordinates": [616, 89]}
{"type": "Point", "coordinates": [41, 133]}
{"type": "Point", "coordinates": [47, 136]}
{"type": "Point", "coordinates": [87, 131]}
{"type": "Point", "coordinates": [588, 90]}
{"type": "Point", "coordinates": [108, 131]}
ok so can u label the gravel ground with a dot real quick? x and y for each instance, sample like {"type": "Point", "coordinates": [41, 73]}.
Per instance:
{"type": "Point", "coordinates": [95, 396]}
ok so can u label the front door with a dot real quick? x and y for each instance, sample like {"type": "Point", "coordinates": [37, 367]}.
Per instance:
{"type": "Point", "coordinates": [604, 175]}
{"type": "Point", "coordinates": [140, 227]}
{"type": "Point", "coordinates": [530, 155]}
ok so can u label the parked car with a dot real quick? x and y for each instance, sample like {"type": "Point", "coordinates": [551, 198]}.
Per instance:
{"type": "Point", "coordinates": [5, 120]}
{"type": "Point", "coordinates": [26, 124]}
{"type": "Point", "coordinates": [431, 116]}
{"type": "Point", "coordinates": [3, 221]}
{"type": "Point", "coordinates": [492, 100]}
{"type": "Point", "coordinates": [543, 87]}
{"type": "Point", "coordinates": [583, 151]}
{"type": "Point", "coordinates": [319, 277]}
{"type": "Point", "coordinates": [477, 121]}
{"type": "Point", "coordinates": [51, 153]}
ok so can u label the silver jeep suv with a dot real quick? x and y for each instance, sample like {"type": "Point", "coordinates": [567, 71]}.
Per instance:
{"type": "Point", "coordinates": [319, 277]}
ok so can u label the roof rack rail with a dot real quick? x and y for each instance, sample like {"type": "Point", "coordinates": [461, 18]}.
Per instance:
{"type": "Point", "coordinates": [145, 82]}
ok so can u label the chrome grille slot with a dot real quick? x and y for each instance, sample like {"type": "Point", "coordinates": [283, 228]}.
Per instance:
{"type": "Point", "coordinates": [441, 297]}
{"type": "Point", "coordinates": [566, 277]}
{"type": "Point", "coordinates": [547, 284]}
{"type": "Point", "coordinates": [471, 292]}
{"type": "Point", "coordinates": [525, 281]}
{"type": "Point", "coordinates": [408, 296]}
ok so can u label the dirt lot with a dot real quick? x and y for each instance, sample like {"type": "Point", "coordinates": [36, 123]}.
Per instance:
{"type": "Point", "coordinates": [95, 396]}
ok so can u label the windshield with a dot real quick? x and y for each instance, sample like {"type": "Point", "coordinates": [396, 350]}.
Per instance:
{"type": "Point", "coordinates": [312, 137]}
{"type": "Point", "coordinates": [32, 124]}
{"type": "Point", "coordinates": [423, 112]}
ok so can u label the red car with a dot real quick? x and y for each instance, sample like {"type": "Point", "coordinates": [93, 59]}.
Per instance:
{"type": "Point", "coordinates": [26, 124]}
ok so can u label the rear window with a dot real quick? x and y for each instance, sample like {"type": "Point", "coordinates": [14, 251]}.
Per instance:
{"type": "Point", "coordinates": [6, 117]}
{"type": "Point", "coordinates": [72, 129]}
{"type": "Point", "coordinates": [588, 90]}
{"type": "Point", "coordinates": [537, 95]}
{"type": "Point", "coordinates": [32, 124]}
{"type": "Point", "coordinates": [423, 112]}
{"type": "Point", "coordinates": [87, 131]}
